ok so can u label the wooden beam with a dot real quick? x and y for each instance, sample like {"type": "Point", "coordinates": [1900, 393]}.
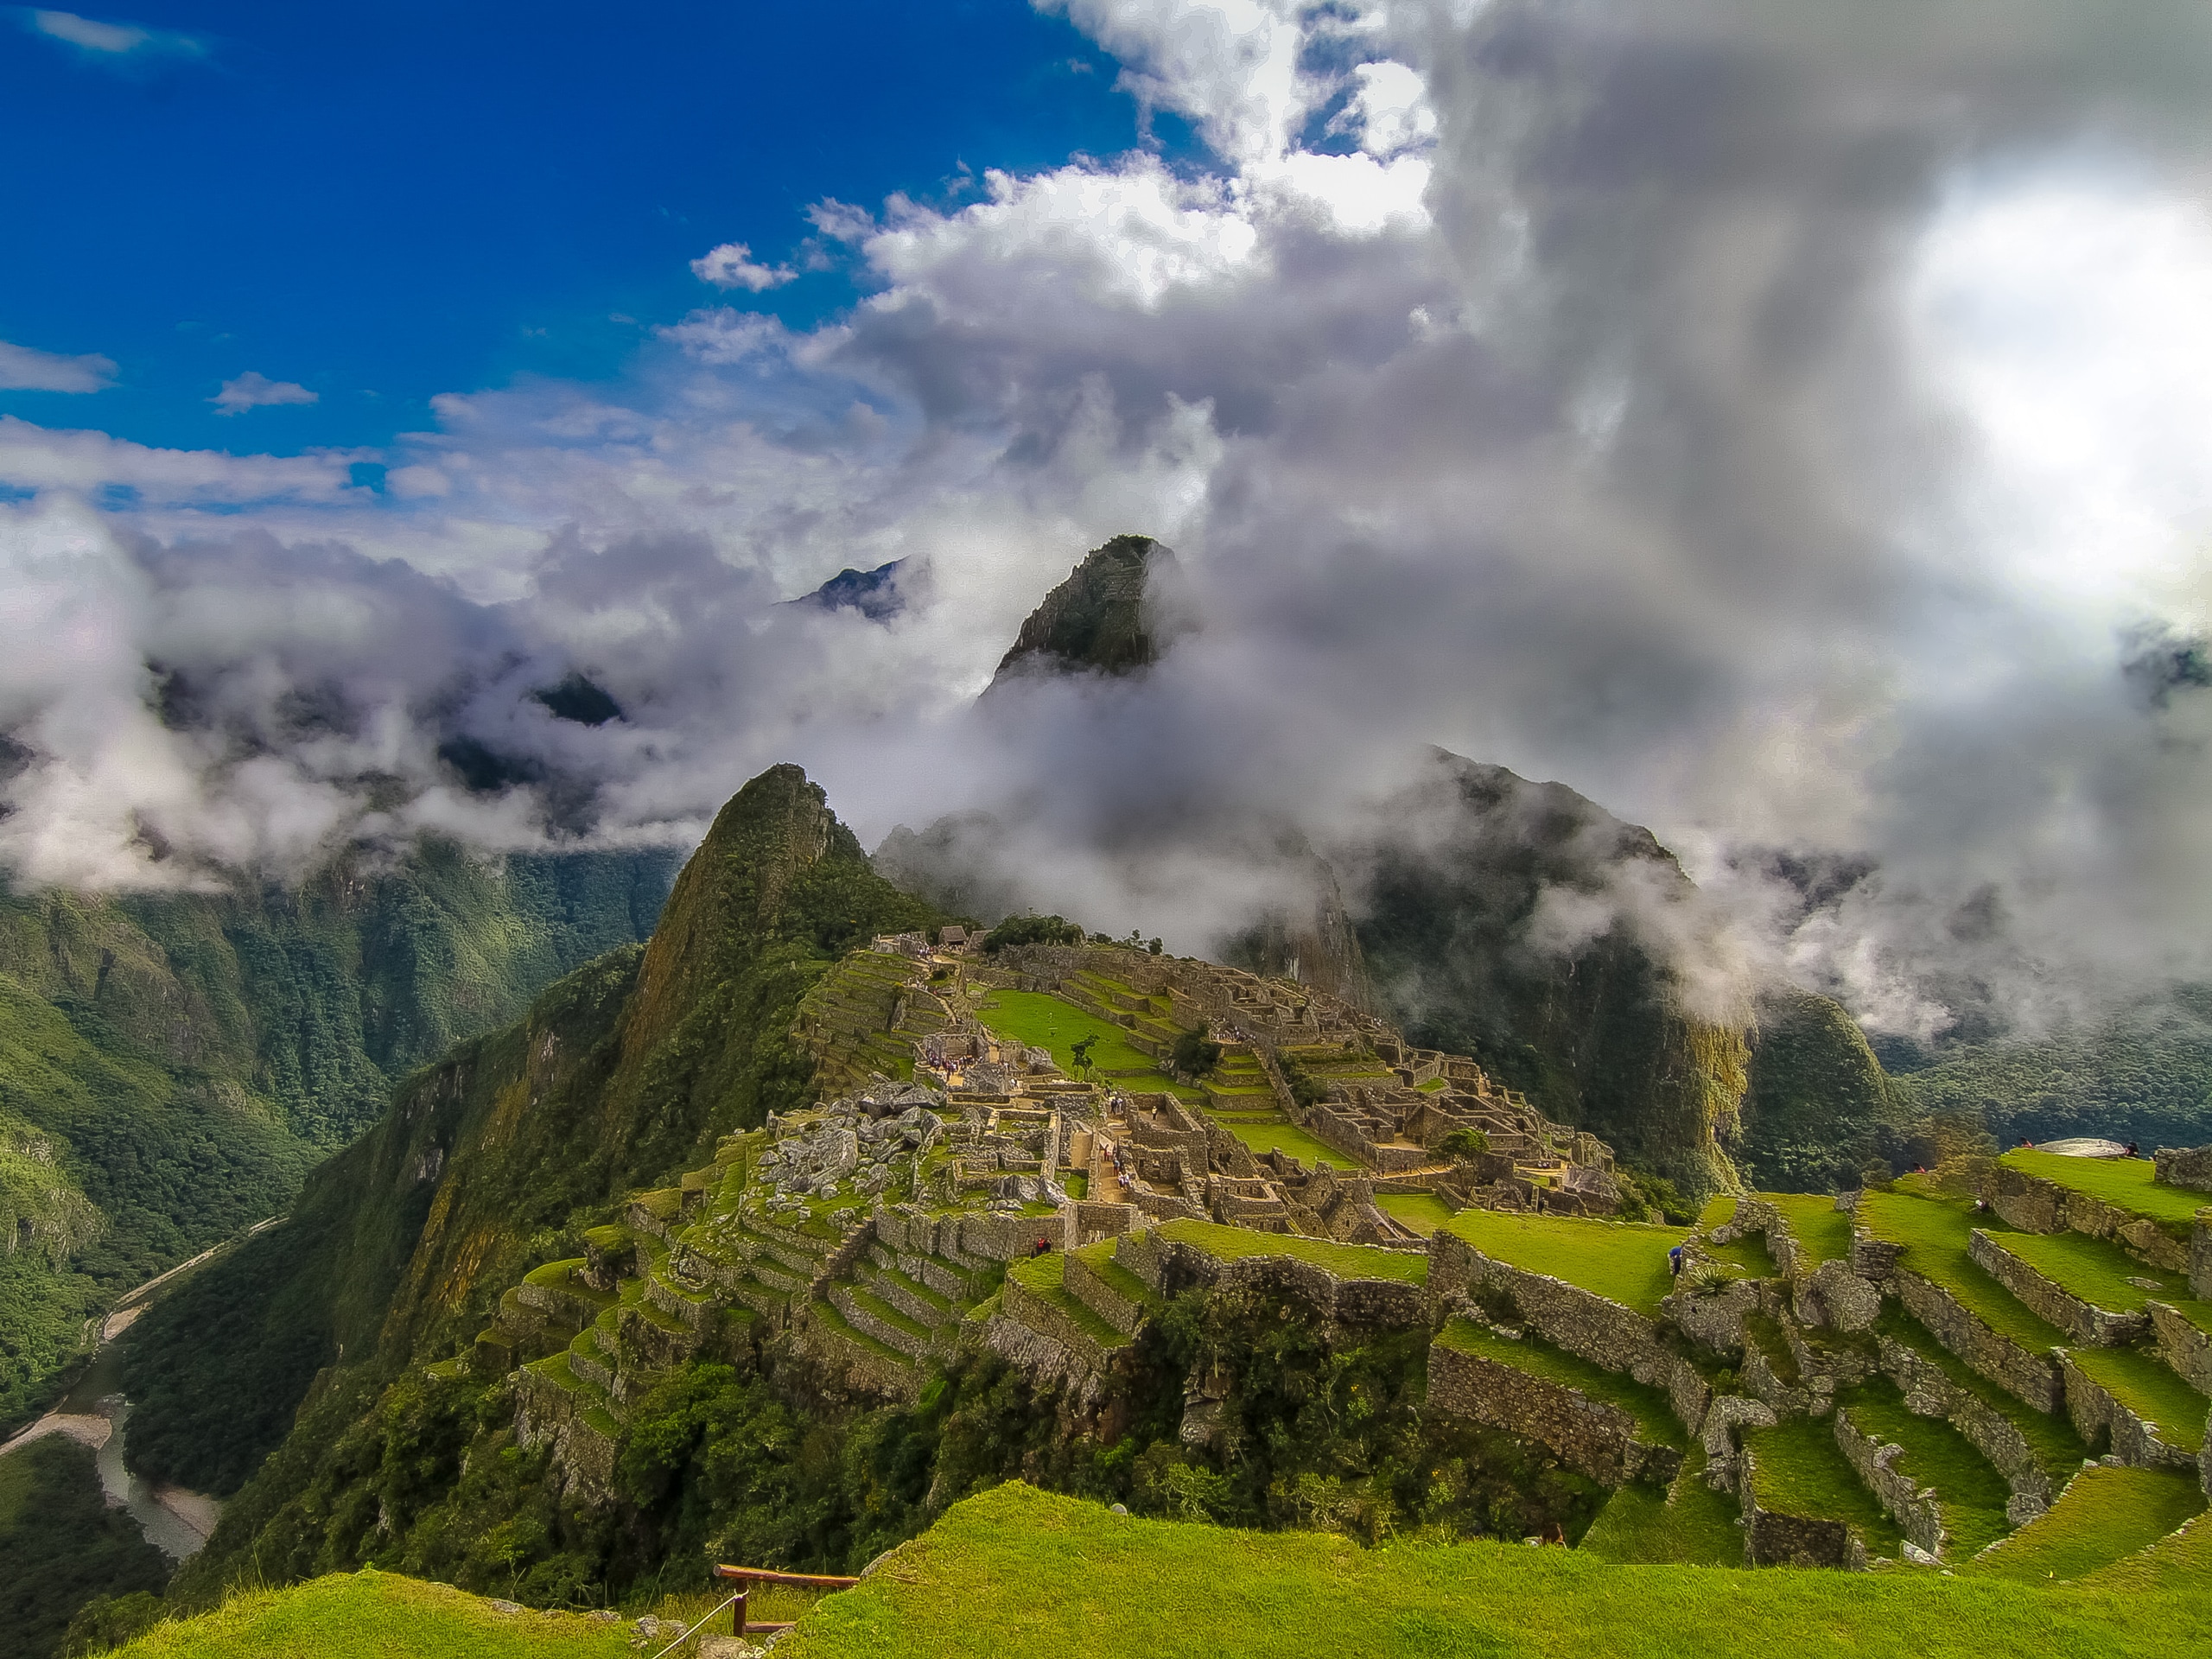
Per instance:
{"type": "Point", "coordinates": [803, 1580]}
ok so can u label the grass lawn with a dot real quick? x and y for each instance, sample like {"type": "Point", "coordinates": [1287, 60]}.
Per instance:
{"type": "Point", "coordinates": [2125, 1183]}
{"type": "Point", "coordinates": [1689, 1524]}
{"type": "Point", "coordinates": [1802, 1470]}
{"type": "Point", "coordinates": [1281, 1134]}
{"type": "Point", "coordinates": [2056, 1446]}
{"type": "Point", "coordinates": [1935, 1232]}
{"type": "Point", "coordinates": [1747, 1254]}
{"type": "Point", "coordinates": [1971, 1492]}
{"type": "Point", "coordinates": [1623, 1261]}
{"type": "Point", "coordinates": [1345, 1261]}
{"type": "Point", "coordinates": [1039, 1019]}
{"type": "Point", "coordinates": [1014, 1574]}
{"type": "Point", "coordinates": [2103, 1516]}
{"type": "Point", "coordinates": [2093, 1269]}
{"type": "Point", "coordinates": [1422, 1211]}
{"type": "Point", "coordinates": [1040, 1276]}
{"type": "Point", "coordinates": [373, 1615]}
{"type": "Point", "coordinates": [1822, 1231]}
{"type": "Point", "coordinates": [1656, 1422]}
{"type": "Point", "coordinates": [2149, 1389]}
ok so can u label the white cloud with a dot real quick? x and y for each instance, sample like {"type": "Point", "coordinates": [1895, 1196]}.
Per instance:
{"type": "Point", "coordinates": [732, 265]}
{"type": "Point", "coordinates": [23, 369]}
{"type": "Point", "coordinates": [113, 42]}
{"type": "Point", "coordinates": [40, 458]}
{"type": "Point", "coordinates": [255, 391]}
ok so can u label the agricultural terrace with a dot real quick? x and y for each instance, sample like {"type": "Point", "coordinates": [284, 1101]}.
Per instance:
{"type": "Point", "coordinates": [2130, 1184]}
{"type": "Point", "coordinates": [1623, 1261]}
{"type": "Point", "coordinates": [2151, 1390]}
{"type": "Point", "coordinates": [2100, 1274]}
{"type": "Point", "coordinates": [2105, 1514]}
{"type": "Point", "coordinates": [1276, 1133]}
{"type": "Point", "coordinates": [2051, 1436]}
{"type": "Point", "coordinates": [1935, 1233]}
{"type": "Point", "coordinates": [1822, 1231]}
{"type": "Point", "coordinates": [1798, 1469]}
{"type": "Point", "coordinates": [1654, 1419]}
{"type": "Point", "coordinates": [1689, 1524]}
{"type": "Point", "coordinates": [1971, 1493]}
{"type": "Point", "coordinates": [1345, 1260]}
{"type": "Point", "coordinates": [1017, 1572]}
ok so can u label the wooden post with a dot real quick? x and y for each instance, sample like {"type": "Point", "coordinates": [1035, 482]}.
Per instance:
{"type": "Point", "coordinates": [737, 1611]}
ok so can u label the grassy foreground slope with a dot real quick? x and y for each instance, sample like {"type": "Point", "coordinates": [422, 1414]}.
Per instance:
{"type": "Point", "coordinates": [1018, 1572]}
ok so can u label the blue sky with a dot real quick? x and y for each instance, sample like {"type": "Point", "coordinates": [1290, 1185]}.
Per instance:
{"type": "Point", "coordinates": [381, 203]}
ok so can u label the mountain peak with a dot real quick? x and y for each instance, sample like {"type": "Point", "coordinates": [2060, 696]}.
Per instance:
{"type": "Point", "coordinates": [1105, 618]}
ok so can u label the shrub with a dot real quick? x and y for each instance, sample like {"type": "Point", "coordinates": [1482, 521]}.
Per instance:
{"type": "Point", "coordinates": [1464, 1143]}
{"type": "Point", "coordinates": [1193, 1056]}
{"type": "Point", "coordinates": [1305, 1089]}
{"type": "Point", "coordinates": [1032, 929]}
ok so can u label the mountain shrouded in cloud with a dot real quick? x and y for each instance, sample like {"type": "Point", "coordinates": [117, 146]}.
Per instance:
{"type": "Point", "coordinates": [1781, 425]}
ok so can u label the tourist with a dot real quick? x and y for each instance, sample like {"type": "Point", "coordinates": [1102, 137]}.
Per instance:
{"type": "Point", "coordinates": [2134, 1151]}
{"type": "Point", "coordinates": [1554, 1534]}
{"type": "Point", "coordinates": [1675, 1261]}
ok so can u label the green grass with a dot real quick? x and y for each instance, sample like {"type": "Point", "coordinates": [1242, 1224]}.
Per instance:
{"type": "Point", "coordinates": [1935, 1233]}
{"type": "Point", "coordinates": [1747, 1254]}
{"type": "Point", "coordinates": [1720, 1209]}
{"type": "Point", "coordinates": [1765, 1334]}
{"type": "Point", "coordinates": [1656, 1422]}
{"type": "Point", "coordinates": [2105, 1515]}
{"type": "Point", "coordinates": [1040, 1276]}
{"type": "Point", "coordinates": [1281, 1134]}
{"type": "Point", "coordinates": [371, 1615]}
{"type": "Point", "coordinates": [2058, 1448]}
{"type": "Point", "coordinates": [1971, 1491]}
{"type": "Point", "coordinates": [2128, 1184]}
{"type": "Point", "coordinates": [1424, 1212]}
{"type": "Point", "coordinates": [1822, 1231]}
{"type": "Point", "coordinates": [1802, 1470]}
{"type": "Point", "coordinates": [1689, 1524]}
{"type": "Point", "coordinates": [1345, 1261]}
{"type": "Point", "coordinates": [1623, 1261]}
{"type": "Point", "coordinates": [1039, 1019]}
{"type": "Point", "coordinates": [2150, 1389]}
{"type": "Point", "coordinates": [2093, 1269]}
{"type": "Point", "coordinates": [1016, 1571]}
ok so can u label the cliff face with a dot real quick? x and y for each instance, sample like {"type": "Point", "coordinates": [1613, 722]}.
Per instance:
{"type": "Point", "coordinates": [176, 1062]}
{"type": "Point", "coordinates": [620, 1074]}
{"type": "Point", "coordinates": [1817, 1101]}
{"type": "Point", "coordinates": [1109, 616]}
{"type": "Point", "coordinates": [1502, 921]}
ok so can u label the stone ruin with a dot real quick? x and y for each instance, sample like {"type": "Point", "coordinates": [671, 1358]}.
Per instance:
{"type": "Point", "coordinates": [862, 1145]}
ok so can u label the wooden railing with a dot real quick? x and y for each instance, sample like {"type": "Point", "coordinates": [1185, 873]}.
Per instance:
{"type": "Point", "coordinates": [749, 1576]}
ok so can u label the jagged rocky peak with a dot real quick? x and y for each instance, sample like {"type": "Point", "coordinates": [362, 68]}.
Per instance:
{"type": "Point", "coordinates": [1115, 613]}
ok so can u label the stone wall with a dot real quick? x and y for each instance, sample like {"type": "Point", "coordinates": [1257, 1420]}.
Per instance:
{"type": "Point", "coordinates": [2190, 1168]}
{"type": "Point", "coordinates": [1602, 1333]}
{"type": "Point", "coordinates": [1167, 1266]}
{"type": "Point", "coordinates": [1834, 1297]}
{"type": "Point", "coordinates": [1777, 1540]}
{"type": "Point", "coordinates": [2033, 1378]}
{"type": "Point", "coordinates": [2083, 1321]}
{"type": "Point", "coordinates": [2134, 1442]}
{"type": "Point", "coordinates": [1930, 1393]}
{"type": "Point", "coordinates": [1917, 1512]}
{"type": "Point", "coordinates": [2184, 1347]}
{"type": "Point", "coordinates": [2035, 1205]}
{"type": "Point", "coordinates": [1587, 1435]}
{"type": "Point", "coordinates": [2200, 1257]}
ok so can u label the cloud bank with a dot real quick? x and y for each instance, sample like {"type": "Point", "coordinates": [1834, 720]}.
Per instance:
{"type": "Point", "coordinates": [1785, 430]}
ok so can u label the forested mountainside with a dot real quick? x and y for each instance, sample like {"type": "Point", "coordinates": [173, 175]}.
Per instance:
{"type": "Point", "coordinates": [619, 1074]}
{"type": "Point", "coordinates": [171, 1065]}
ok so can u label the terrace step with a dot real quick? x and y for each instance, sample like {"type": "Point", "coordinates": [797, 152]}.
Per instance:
{"type": "Point", "coordinates": [2106, 1514]}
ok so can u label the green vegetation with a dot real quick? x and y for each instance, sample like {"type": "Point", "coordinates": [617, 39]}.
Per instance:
{"type": "Point", "coordinates": [1747, 1256]}
{"type": "Point", "coordinates": [1971, 1491]}
{"type": "Point", "coordinates": [1039, 1019]}
{"type": "Point", "coordinates": [2125, 1183]}
{"type": "Point", "coordinates": [1623, 1261]}
{"type": "Point", "coordinates": [1689, 1524]}
{"type": "Point", "coordinates": [1935, 1233]}
{"type": "Point", "coordinates": [1656, 1422]}
{"type": "Point", "coordinates": [1279, 1134]}
{"type": "Point", "coordinates": [2150, 1389]}
{"type": "Point", "coordinates": [1017, 1571]}
{"type": "Point", "coordinates": [2049, 1435]}
{"type": "Point", "coordinates": [1040, 1277]}
{"type": "Point", "coordinates": [1193, 1055]}
{"type": "Point", "coordinates": [1464, 1143]}
{"type": "Point", "coordinates": [1345, 1261]}
{"type": "Point", "coordinates": [1424, 1212]}
{"type": "Point", "coordinates": [2104, 1515]}
{"type": "Point", "coordinates": [1817, 1106]}
{"type": "Point", "coordinates": [1800, 1470]}
{"type": "Point", "coordinates": [1822, 1231]}
{"type": "Point", "coordinates": [2100, 1273]}
{"type": "Point", "coordinates": [1032, 929]}
{"type": "Point", "coordinates": [371, 1615]}
{"type": "Point", "coordinates": [61, 1545]}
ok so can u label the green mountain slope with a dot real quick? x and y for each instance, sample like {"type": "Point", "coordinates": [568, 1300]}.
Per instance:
{"type": "Point", "coordinates": [177, 1062]}
{"type": "Point", "coordinates": [1817, 1100]}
